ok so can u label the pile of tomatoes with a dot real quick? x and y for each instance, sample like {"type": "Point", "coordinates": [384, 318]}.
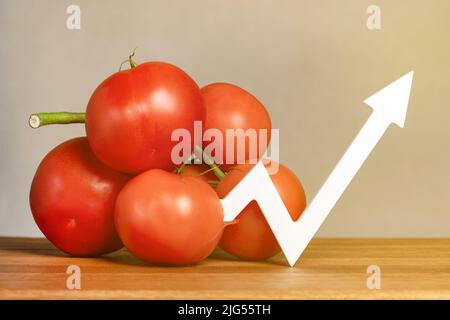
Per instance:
{"type": "Point", "coordinates": [118, 186]}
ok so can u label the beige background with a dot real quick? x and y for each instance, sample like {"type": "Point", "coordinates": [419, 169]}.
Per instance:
{"type": "Point", "coordinates": [312, 63]}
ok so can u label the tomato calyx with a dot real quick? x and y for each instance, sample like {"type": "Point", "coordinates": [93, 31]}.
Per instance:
{"type": "Point", "coordinates": [190, 162]}
{"type": "Point", "coordinates": [219, 173]}
{"type": "Point", "coordinates": [209, 161]}
{"type": "Point", "coordinates": [180, 169]}
{"type": "Point", "coordinates": [130, 60]}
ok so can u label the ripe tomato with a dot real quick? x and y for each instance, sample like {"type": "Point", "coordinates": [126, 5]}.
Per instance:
{"type": "Point", "coordinates": [165, 218]}
{"type": "Point", "coordinates": [251, 237]}
{"type": "Point", "coordinates": [132, 114]}
{"type": "Point", "coordinates": [72, 199]}
{"type": "Point", "coordinates": [231, 107]}
{"type": "Point", "coordinates": [201, 171]}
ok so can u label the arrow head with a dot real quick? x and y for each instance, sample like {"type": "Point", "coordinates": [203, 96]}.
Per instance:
{"type": "Point", "coordinates": [391, 102]}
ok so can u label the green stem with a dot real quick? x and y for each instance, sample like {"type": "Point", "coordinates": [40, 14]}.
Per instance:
{"type": "Point", "coordinates": [181, 168]}
{"type": "Point", "coordinates": [44, 118]}
{"type": "Point", "coordinates": [209, 161]}
{"type": "Point", "coordinates": [133, 64]}
{"type": "Point", "coordinates": [130, 60]}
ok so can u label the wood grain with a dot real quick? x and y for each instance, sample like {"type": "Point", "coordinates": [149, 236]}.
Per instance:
{"type": "Point", "coordinates": [328, 269]}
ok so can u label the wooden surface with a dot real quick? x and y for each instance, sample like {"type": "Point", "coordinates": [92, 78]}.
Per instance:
{"type": "Point", "coordinates": [328, 269]}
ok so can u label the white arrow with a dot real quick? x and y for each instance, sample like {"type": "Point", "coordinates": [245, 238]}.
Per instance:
{"type": "Point", "coordinates": [389, 106]}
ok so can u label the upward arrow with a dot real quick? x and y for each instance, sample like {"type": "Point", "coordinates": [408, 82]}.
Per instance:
{"type": "Point", "coordinates": [392, 101]}
{"type": "Point", "coordinates": [389, 106]}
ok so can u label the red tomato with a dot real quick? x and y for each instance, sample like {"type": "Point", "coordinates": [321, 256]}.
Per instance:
{"type": "Point", "coordinates": [251, 237]}
{"type": "Point", "coordinates": [169, 219]}
{"type": "Point", "coordinates": [132, 114]}
{"type": "Point", "coordinates": [231, 107]}
{"type": "Point", "coordinates": [72, 199]}
{"type": "Point", "coordinates": [201, 171]}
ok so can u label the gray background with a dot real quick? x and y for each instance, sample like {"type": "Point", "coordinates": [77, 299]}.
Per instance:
{"type": "Point", "coordinates": [312, 63]}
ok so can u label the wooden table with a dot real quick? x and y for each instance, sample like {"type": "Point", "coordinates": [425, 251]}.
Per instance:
{"type": "Point", "coordinates": [328, 269]}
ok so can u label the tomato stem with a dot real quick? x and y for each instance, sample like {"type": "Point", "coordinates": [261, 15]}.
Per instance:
{"type": "Point", "coordinates": [206, 171]}
{"type": "Point", "coordinates": [209, 161]}
{"type": "Point", "coordinates": [181, 168]}
{"type": "Point", "coordinates": [37, 120]}
{"type": "Point", "coordinates": [130, 60]}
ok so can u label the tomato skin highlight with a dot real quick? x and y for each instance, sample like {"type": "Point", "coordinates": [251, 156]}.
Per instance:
{"type": "Point", "coordinates": [72, 199]}
{"type": "Point", "coordinates": [131, 115]}
{"type": "Point", "coordinates": [251, 237]}
{"type": "Point", "coordinates": [164, 218]}
{"type": "Point", "coordinates": [231, 107]}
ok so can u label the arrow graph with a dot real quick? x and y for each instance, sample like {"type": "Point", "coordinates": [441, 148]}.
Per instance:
{"type": "Point", "coordinates": [389, 106]}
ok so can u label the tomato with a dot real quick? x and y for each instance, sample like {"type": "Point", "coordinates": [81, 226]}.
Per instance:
{"type": "Point", "coordinates": [231, 107]}
{"type": "Point", "coordinates": [72, 200]}
{"type": "Point", "coordinates": [201, 171]}
{"type": "Point", "coordinates": [251, 237]}
{"type": "Point", "coordinates": [131, 115]}
{"type": "Point", "coordinates": [169, 219]}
